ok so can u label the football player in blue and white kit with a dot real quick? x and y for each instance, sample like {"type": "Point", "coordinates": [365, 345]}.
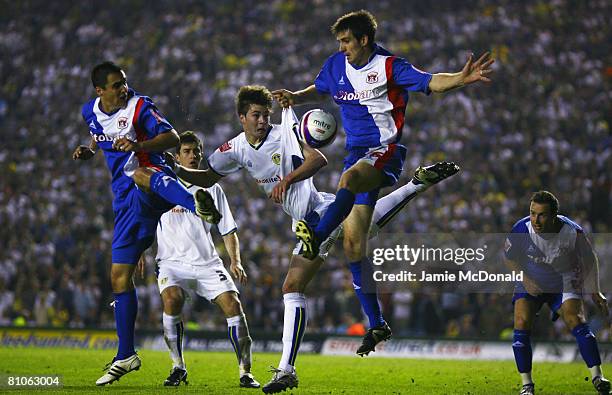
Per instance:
{"type": "Point", "coordinates": [133, 135]}
{"type": "Point", "coordinates": [283, 167]}
{"type": "Point", "coordinates": [559, 265]}
{"type": "Point", "coordinates": [371, 87]}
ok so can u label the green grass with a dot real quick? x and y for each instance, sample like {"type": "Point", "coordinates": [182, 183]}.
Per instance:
{"type": "Point", "coordinates": [217, 373]}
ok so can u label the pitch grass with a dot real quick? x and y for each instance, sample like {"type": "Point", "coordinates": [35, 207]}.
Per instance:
{"type": "Point", "coordinates": [217, 373]}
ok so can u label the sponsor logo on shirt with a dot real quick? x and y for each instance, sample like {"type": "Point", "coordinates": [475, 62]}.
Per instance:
{"type": "Point", "coordinates": [101, 137]}
{"type": "Point", "coordinates": [366, 94]}
{"type": "Point", "coordinates": [268, 180]}
{"type": "Point", "coordinates": [372, 77]}
{"type": "Point", "coordinates": [341, 81]}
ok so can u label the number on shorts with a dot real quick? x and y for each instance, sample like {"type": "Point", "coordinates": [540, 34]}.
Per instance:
{"type": "Point", "coordinates": [222, 275]}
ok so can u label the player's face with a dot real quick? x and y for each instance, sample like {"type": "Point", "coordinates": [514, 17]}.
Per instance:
{"type": "Point", "coordinates": [115, 94]}
{"type": "Point", "coordinates": [357, 52]}
{"type": "Point", "coordinates": [189, 155]}
{"type": "Point", "coordinates": [256, 123]}
{"type": "Point", "coordinates": [541, 217]}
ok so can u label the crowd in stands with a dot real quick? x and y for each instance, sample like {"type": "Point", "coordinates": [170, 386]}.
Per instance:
{"type": "Point", "coordinates": [544, 123]}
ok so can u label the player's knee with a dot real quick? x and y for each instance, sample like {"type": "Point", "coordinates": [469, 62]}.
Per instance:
{"type": "Point", "coordinates": [229, 304]}
{"type": "Point", "coordinates": [574, 320]}
{"type": "Point", "coordinates": [522, 323]}
{"type": "Point", "coordinates": [172, 300]}
{"type": "Point", "coordinates": [348, 180]}
{"type": "Point", "coordinates": [352, 248]}
{"type": "Point", "coordinates": [142, 178]}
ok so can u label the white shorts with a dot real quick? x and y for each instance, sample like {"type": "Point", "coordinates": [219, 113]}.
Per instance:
{"type": "Point", "coordinates": [208, 281]}
{"type": "Point", "coordinates": [327, 244]}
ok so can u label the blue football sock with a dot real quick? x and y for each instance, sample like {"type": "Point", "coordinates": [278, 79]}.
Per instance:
{"type": "Point", "coordinates": [126, 308]}
{"type": "Point", "coordinates": [172, 190]}
{"type": "Point", "coordinates": [365, 288]}
{"type": "Point", "coordinates": [335, 214]}
{"type": "Point", "coordinates": [521, 346]}
{"type": "Point", "coordinates": [587, 344]}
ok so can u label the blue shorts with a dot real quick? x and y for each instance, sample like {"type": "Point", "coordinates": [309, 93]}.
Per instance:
{"type": "Point", "coordinates": [554, 301]}
{"type": "Point", "coordinates": [387, 158]}
{"type": "Point", "coordinates": [135, 225]}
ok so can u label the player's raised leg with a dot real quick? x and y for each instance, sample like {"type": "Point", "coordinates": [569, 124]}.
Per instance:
{"type": "Point", "coordinates": [126, 308]}
{"type": "Point", "coordinates": [390, 205]}
{"type": "Point", "coordinates": [301, 271]}
{"type": "Point", "coordinates": [572, 312]}
{"type": "Point", "coordinates": [170, 189]}
{"type": "Point", "coordinates": [238, 334]}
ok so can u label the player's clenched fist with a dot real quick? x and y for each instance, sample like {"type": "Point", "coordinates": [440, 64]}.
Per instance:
{"type": "Point", "coordinates": [83, 152]}
{"type": "Point", "coordinates": [125, 145]}
{"type": "Point", "coordinates": [284, 97]}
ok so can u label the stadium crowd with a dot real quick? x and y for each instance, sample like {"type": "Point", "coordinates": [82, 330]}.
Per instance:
{"type": "Point", "coordinates": [543, 124]}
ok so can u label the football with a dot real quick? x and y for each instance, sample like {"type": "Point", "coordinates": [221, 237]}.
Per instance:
{"type": "Point", "coordinates": [318, 128]}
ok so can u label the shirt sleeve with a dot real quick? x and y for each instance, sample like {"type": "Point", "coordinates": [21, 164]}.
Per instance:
{"type": "Point", "coordinates": [515, 244]}
{"type": "Point", "coordinates": [227, 224]}
{"type": "Point", "coordinates": [409, 77]}
{"type": "Point", "coordinates": [222, 160]}
{"type": "Point", "coordinates": [324, 79]}
{"type": "Point", "coordinates": [151, 120]}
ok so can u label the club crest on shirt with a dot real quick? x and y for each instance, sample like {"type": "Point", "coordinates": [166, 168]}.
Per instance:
{"type": "Point", "coordinates": [122, 123]}
{"type": "Point", "coordinates": [276, 158]}
{"type": "Point", "coordinates": [372, 77]}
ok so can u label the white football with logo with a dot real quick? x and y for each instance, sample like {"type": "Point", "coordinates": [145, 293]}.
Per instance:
{"type": "Point", "coordinates": [318, 128]}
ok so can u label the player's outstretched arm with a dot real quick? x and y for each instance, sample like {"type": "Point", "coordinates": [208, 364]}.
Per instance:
{"type": "Point", "coordinates": [314, 160]}
{"type": "Point", "coordinates": [472, 72]}
{"type": "Point", "coordinates": [83, 152]}
{"type": "Point", "coordinates": [232, 245]}
{"type": "Point", "coordinates": [287, 98]}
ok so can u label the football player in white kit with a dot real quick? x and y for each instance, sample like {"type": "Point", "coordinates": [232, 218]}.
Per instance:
{"type": "Point", "coordinates": [283, 167]}
{"type": "Point", "coordinates": [187, 260]}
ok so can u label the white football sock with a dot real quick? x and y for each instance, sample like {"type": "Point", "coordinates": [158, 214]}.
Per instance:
{"type": "Point", "coordinates": [173, 334]}
{"type": "Point", "coordinates": [526, 378]}
{"type": "Point", "coordinates": [388, 206]}
{"type": "Point", "coordinates": [293, 329]}
{"type": "Point", "coordinates": [595, 371]}
{"type": "Point", "coordinates": [238, 333]}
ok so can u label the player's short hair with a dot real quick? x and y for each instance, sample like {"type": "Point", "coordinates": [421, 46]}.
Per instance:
{"type": "Point", "coordinates": [188, 137]}
{"type": "Point", "coordinates": [360, 23]}
{"type": "Point", "coordinates": [100, 72]}
{"type": "Point", "coordinates": [252, 94]}
{"type": "Point", "coordinates": [545, 197]}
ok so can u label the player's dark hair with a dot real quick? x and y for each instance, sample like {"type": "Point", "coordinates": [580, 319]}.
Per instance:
{"type": "Point", "coordinates": [100, 72]}
{"type": "Point", "coordinates": [188, 137]}
{"type": "Point", "coordinates": [252, 94]}
{"type": "Point", "coordinates": [360, 23]}
{"type": "Point", "coordinates": [545, 197]}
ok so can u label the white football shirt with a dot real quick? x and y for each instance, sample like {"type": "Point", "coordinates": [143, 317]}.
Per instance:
{"type": "Point", "coordinates": [182, 236]}
{"type": "Point", "coordinates": [275, 157]}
